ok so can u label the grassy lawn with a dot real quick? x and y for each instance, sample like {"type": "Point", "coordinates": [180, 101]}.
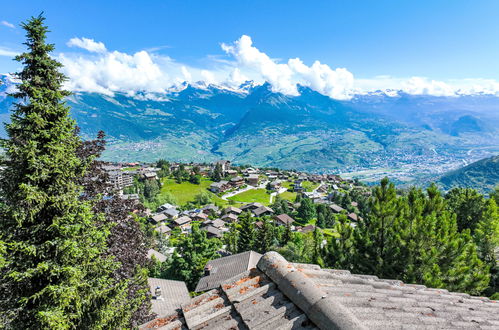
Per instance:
{"type": "Point", "coordinates": [287, 184]}
{"type": "Point", "coordinates": [185, 191]}
{"type": "Point", "coordinates": [309, 186]}
{"type": "Point", "coordinates": [130, 168]}
{"type": "Point", "coordinates": [330, 232]}
{"type": "Point", "coordinates": [288, 195]}
{"type": "Point", "coordinates": [253, 195]}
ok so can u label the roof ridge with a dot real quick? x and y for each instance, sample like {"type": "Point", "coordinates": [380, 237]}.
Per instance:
{"type": "Point", "coordinates": [324, 311]}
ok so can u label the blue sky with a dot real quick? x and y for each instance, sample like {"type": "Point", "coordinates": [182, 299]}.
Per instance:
{"type": "Point", "coordinates": [436, 40]}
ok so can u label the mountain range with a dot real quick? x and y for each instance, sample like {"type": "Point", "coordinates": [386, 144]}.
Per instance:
{"type": "Point", "coordinates": [408, 137]}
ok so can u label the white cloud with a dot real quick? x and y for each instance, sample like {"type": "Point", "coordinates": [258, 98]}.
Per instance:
{"type": "Point", "coordinates": [283, 77]}
{"type": "Point", "coordinates": [7, 52]}
{"type": "Point", "coordinates": [107, 72]}
{"type": "Point", "coordinates": [7, 24]}
{"type": "Point", "coordinates": [88, 44]}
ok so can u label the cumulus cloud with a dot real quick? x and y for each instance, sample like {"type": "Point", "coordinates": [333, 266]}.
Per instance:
{"type": "Point", "coordinates": [107, 72]}
{"type": "Point", "coordinates": [7, 24]}
{"type": "Point", "coordinates": [88, 44]}
{"type": "Point", "coordinates": [284, 77]}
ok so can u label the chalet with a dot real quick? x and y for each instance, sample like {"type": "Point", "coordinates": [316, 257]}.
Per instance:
{"type": "Point", "coordinates": [229, 217]}
{"type": "Point", "coordinates": [231, 172]}
{"type": "Point", "coordinates": [218, 187]}
{"type": "Point", "coordinates": [251, 206]}
{"type": "Point", "coordinates": [233, 210]}
{"type": "Point", "coordinates": [336, 208]}
{"type": "Point", "coordinates": [262, 210]}
{"type": "Point", "coordinates": [252, 179]}
{"type": "Point", "coordinates": [163, 229]}
{"type": "Point", "coordinates": [275, 185]}
{"type": "Point", "coordinates": [218, 223]}
{"type": "Point", "coordinates": [149, 176]}
{"type": "Point", "coordinates": [158, 218]}
{"type": "Point", "coordinates": [210, 208]}
{"type": "Point", "coordinates": [182, 222]}
{"type": "Point", "coordinates": [166, 206]}
{"type": "Point", "coordinates": [237, 181]}
{"type": "Point", "coordinates": [307, 229]}
{"type": "Point", "coordinates": [283, 220]}
{"type": "Point", "coordinates": [199, 216]}
{"type": "Point", "coordinates": [171, 213]}
{"type": "Point", "coordinates": [212, 232]}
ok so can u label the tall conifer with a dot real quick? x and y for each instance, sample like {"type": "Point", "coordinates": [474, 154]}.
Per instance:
{"type": "Point", "coordinates": [56, 276]}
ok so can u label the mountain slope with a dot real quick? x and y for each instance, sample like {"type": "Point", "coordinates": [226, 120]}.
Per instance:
{"type": "Point", "coordinates": [370, 135]}
{"type": "Point", "coordinates": [482, 175]}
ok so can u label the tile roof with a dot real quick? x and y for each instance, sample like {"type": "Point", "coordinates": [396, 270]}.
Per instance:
{"type": "Point", "coordinates": [233, 209]}
{"type": "Point", "coordinates": [182, 220]}
{"type": "Point", "coordinates": [284, 219]}
{"type": "Point", "coordinates": [227, 267]}
{"type": "Point", "coordinates": [262, 210]}
{"type": "Point", "coordinates": [173, 294]}
{"type": "Point", "coordinates": [282, 295]}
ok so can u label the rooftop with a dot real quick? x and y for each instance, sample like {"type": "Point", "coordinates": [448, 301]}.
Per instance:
{"type": "Point", "coordinates": [173, 295]}
{"type": "Point", "coordinates": [282, 295]}
{"type": "Point", "coordinates": [224, 268]}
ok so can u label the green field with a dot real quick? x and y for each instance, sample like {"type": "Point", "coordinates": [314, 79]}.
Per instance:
{"type": "Point", "coordinates": [288, 195]}
{"type": "Point", "coordinates": [287, 184]}
{"type": "Point", "coordinates": [186, 191]}
{"type": "Point", "coordinates": [309, 186]}
{"type": "Point", "coordinates": [253, 195]}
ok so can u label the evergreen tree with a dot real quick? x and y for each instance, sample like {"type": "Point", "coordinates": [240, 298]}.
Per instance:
{"type": "Point", "coordinates": [487, 241]}
{"type": "Point", "coordinates": [341, 249]}
{"type": "Point", "coordinates": [317, 253]}
{"type": "Point", "coordinates": [217, 173]}
{"type": "Point", "coordinates": [468, 205]}
{"type": "Point", "coordinates": [306, 211]}
{"type": "Point", "coordinates": [57, 274]}
{"type": "Point", "coordinates": [264, 238]}
{"type": "Point", "coordinates": [377, 239]}
{"type": "Point", "coordinates": [246, 239]}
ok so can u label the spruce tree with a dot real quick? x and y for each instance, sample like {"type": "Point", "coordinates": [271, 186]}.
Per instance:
{"type": "Point", "coordinates": [57, 274]}
{"type": "Point", "coordinates": [306, 211]}
{"type": "Point", "coordinates": [246, 238]}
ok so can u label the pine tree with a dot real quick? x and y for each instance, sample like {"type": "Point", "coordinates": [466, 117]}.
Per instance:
{"type": "Point", "coordinates": [487, 241]}
{"type": "Point", "coordinates": [57, 275]}
{"type": "Point", "coordinates": [468, 205]}
{"type": "Point", "coordinates": [377, 239]}
{"type": "Point", "coordinates": [246, 239]}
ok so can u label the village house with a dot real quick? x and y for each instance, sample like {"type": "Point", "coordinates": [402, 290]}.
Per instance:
{"type": "Point", "coordinates": [237, 181]}
{"type": "Point", "coordinates": [230, 217]}
{"type": "Point", "coordinates": [233, 210]}
{"type": "Point", "coordinates": [171, 213]}
{"type": "Point", "coordinates": [200, 216]}
{"type": "Point", "coordinates": [251, 206]}
{"type": "Point", "coordinates": [182, 222]}
{"type": "Point", "coordinates": [212, 232]}
{"type": "Point", "coordinates": [158, 218]}
{"type": "Point", "coordinates": [262, 210]}
{"type": "Point", "coordinates": [283, 220]}
{"type": "Point", "coordinates": [275, 185]}
{"type": "Point", "coordinates": [252, 179]}
{"type": "Point", "coordinates": [210, 208]}
{"type": "Point", "coordinates": [354, 217]}
{"type": "Point", "coordinates": [163, 229]}
{"type": "Point", "coordinates": [218, 187]}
